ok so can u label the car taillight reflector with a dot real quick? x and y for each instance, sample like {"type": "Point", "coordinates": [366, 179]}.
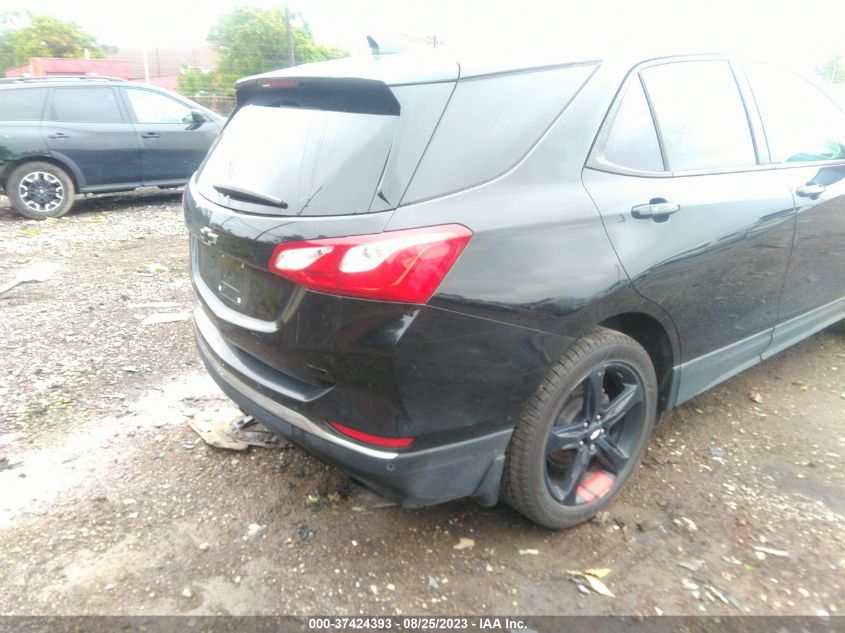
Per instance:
{"type": "Point", "coordinates": [375, 440]}
{"type": "Point", "coordinates": [405, 266]}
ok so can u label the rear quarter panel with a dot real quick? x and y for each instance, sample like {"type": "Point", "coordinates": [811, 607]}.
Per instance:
{"type": "Point", "coordinates": [19, 140]}
{"type": "Point", "coordinates": [540, 257]}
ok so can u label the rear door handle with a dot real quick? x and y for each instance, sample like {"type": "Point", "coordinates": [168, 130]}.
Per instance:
{"type": "Point", "coordinates": [58, 135]}
{"type": "Point", "coordinates": [151, 135]}
{"type": "Point", "coordinates": [810, 190]}
{"type": "Point", "coordinates": [654, 208]}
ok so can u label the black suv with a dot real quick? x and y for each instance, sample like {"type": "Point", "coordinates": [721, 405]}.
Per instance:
{"type": "Point", "coordinates": [65, 135]}
{"type": "Point", "coordinates": [457, 279]}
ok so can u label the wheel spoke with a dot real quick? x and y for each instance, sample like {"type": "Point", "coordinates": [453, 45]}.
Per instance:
{"type": "Point", "coordinates": [593, 393]}
{"type": "Point", "coordinates": [564, 438]}
{"type": "Point", "coordinates": [616, 409]}
{"type": "Point", "coordinates": [611, 453]}
{"type": "Point", "coordinates": [574, 475]}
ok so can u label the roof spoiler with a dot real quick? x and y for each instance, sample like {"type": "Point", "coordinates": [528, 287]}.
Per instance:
{"type": "Point", "coordinates": [337, 94]}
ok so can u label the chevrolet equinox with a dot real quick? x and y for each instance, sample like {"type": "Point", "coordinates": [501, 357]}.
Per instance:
{"type": "Point", "coordinates": [458, 279]}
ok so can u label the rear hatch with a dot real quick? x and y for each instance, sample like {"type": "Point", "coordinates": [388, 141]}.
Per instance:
{"type": "Point", "coordinates": [301, 158]}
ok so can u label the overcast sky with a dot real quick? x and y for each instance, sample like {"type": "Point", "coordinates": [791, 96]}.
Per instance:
{"type": "Point", "coordinates": [802, 31]}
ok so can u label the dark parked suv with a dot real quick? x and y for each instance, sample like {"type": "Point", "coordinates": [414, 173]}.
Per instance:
{"type": "Point", "coordinates": [456, 280]}
{"type": "Point", "coordinates": [65, 135]}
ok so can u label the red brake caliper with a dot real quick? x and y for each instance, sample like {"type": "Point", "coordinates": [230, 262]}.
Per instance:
{"type": "Point", "coordinates": [595, 486]}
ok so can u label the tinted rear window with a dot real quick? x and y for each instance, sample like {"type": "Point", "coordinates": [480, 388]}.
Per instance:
{"type": "Point", "coordinates": [323, 146]}
{"type": "Point", "coordinates": [89, 105]}
{"type": "Point", "coordinates": [22, 104]}
{"type": "Point", "coordinates": [489, 126]}
{"type": "Point", "coordinates": [318, 162]}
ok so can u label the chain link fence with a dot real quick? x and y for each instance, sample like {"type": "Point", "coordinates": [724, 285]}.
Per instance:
{"type": "Point", "coordinates": [221, 104]}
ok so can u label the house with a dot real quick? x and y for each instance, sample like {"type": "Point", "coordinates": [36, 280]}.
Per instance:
{"type": "Point", "coordinates": [163, 65]}
{"type": "Point", "coordinates": [52, 67]}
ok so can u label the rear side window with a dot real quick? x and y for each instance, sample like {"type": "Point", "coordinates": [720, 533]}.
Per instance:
{"type": "Point", "coordinates": [801, 122]}
{"type": "Point", "coordinates": [489, 126]}
{"type": "Point", "coordinates": [86, 105]}
{"type": "Point", "coordinates": [700, 115]}
{"type": "Point", "coordinates": [23, 104]}
{"type": "Point", "coordinates": [632, 140]}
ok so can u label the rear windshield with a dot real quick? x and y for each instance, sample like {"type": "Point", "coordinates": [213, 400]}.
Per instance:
{"type": "Point", "coordinates": [326, 162]}
{"type": "Point", "coordinates": [294, 151]}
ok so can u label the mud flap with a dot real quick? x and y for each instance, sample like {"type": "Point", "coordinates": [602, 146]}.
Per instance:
{"type": "Point", "coordinates": [487, 493]}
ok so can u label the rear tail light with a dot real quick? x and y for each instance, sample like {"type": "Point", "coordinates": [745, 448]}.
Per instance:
{"type": "Point", "coordinates": [405, 266]}
{"type": "Point", "coordinates": [375, 440]}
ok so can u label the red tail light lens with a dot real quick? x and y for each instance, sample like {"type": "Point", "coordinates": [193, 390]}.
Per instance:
{"type": "Point", "coordinates": [375, 440]}
{"type": "Point", "coordinates": [404, 266]}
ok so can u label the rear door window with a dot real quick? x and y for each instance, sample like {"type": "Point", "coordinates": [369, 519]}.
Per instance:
{"type": "Point", "coordinates": [151, 107]}
{"type": "Point", "coordinates": [23, 104]}
{"type": "Point", "coordinates": [87, 105]}
{"type": "Point", "coordinates": [801, 122]}
{"type": "Point", "coordinates": [700, 115]}
{"type": "Point", "coordinates": [631, 141]}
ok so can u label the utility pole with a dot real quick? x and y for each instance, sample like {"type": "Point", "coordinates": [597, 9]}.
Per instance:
{"type": "Point", "coordinates": [291, 56]}
{"type": "Point", "coordinates": [146, 65]}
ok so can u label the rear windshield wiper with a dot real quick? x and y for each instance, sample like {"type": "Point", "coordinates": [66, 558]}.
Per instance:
{"type": "Point", "coordinates": [250, 196]}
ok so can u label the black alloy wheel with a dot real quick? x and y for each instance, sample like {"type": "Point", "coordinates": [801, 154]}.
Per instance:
{"type": "Point", "coordinates": [594, 434]}
{"type": "Point", "coordinates": [583, 433]}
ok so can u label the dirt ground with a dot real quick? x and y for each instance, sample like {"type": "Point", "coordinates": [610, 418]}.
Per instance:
{"type": "Point", "coordinates": [110, 504]}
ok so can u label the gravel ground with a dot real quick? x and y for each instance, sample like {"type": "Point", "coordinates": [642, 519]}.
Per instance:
{"type": "Point", "coordinates": [110, 504]}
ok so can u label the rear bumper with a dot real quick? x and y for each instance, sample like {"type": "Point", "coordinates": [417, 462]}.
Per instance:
{"type": "Point", "coordinates": [468, 468]}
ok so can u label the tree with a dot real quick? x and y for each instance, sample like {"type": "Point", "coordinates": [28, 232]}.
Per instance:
{"type": "Point", "coordinates": [11, 19]}
{"type": "Point", "coordinates": [194, 82]}
{"type": "Point", "coordinates": [44, 36]}
{"type": "Point", "coordinates": [8, 21]}
{"type": "Point", "coordinates": [251, 40]}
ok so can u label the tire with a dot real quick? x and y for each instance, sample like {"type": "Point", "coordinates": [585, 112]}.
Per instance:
{"type": "Point", "coordinates": [569, 458]}
{"type": "Point", "coordinates": [40, 190]}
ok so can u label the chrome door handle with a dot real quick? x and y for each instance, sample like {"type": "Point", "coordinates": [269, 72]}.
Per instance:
{"type": "Point", "coordinates": [58, 135]}
{"type": "Point", "coordinates": [151, 135]}
{"type": "Point", "coordinates": [810, 190]}
{"type": "Point", "coordinates": [653, 209]}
